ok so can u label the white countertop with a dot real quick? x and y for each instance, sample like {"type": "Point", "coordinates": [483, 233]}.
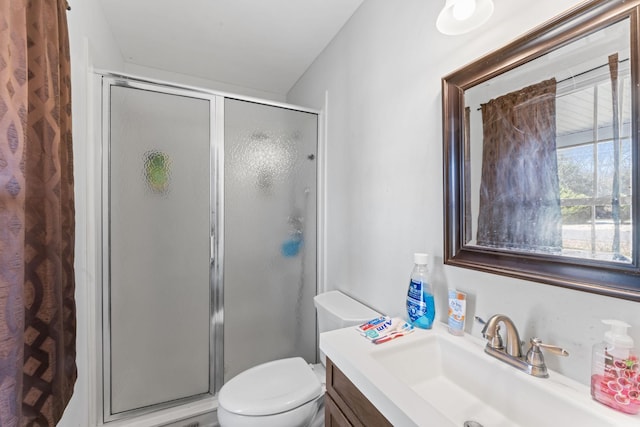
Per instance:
{"type": "Point", "coordinates": [356, 357]}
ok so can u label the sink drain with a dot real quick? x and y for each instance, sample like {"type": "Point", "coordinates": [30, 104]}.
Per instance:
{"type": "Point", "coordinates": [472, 424]}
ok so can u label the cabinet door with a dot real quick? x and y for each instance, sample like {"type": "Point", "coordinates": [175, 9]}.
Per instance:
{"type": "Point", "coordinates": [333, 416]}
{"type": "Point", "coordinates": [356, 409]}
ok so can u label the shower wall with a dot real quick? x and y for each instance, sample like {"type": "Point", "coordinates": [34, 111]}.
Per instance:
{"type": "Point", "coordinates": [270, 234]}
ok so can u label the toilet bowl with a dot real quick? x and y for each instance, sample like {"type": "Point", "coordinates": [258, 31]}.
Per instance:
{"type": "Point", "coordinates": [284, 392]}
{"type": "Point", "coordinates": [288, 392]}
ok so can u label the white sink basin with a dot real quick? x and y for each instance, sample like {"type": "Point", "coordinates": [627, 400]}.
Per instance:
{"type": "Point", "coordinates": [434, 378]}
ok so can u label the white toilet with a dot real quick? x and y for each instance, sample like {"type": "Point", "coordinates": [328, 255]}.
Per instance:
{"type": "Point", "coordinates": [288, 392]}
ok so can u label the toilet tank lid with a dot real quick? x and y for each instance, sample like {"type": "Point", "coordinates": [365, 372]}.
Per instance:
{"type": "Point", "coordinates": [271, 388]}
{"type": "Point", "coordinates": [344, 307]}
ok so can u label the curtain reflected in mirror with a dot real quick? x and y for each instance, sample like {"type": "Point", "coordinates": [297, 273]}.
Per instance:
{"type": "Point", "coordinates": [519, 192]}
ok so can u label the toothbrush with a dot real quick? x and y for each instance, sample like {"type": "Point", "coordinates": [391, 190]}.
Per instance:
{"type": "Point", "coordinates": [399, 330]}
{"type": "Point", "coordinates": [392, 335]}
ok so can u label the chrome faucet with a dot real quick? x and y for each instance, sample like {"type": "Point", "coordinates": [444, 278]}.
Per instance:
{"type": "Point", "coordinates": [532, 363]}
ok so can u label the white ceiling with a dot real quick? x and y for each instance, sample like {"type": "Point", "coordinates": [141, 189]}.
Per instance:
{"type": "Point", "coordinates": [258, 44]}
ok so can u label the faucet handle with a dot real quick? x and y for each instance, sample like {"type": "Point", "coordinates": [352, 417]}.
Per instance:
{"type": "Point", "coordinates": [536, 359]}
{"type": "Point", "coordinates": [495, 339]}
{"type": "Point", "coordinates": [558, 351]}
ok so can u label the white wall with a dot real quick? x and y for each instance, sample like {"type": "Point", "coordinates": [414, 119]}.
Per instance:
{"type": "Point", "coordinates": [91, 44]}
{"type": "Point", "coordinates": [384, 181]}
{"type": "Point", "coordinates": [169, 76]}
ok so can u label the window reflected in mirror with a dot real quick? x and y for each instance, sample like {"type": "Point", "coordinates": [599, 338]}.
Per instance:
{"type": "Point", "coordinates": [550, 153]}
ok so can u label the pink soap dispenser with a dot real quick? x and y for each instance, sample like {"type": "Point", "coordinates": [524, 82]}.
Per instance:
{"type": "Point", "coordinates": [615, 372]}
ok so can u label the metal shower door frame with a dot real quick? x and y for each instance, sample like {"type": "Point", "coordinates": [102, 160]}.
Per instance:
{"type": "Point", "coordinates": [216, 221]}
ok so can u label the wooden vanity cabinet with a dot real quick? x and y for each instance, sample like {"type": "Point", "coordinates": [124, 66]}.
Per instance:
{"type": "Point", "coordinates": [345, 405]}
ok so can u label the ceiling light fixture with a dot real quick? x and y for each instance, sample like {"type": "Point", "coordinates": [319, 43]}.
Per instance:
{"type": "Point", "coordinates": [462, 16]}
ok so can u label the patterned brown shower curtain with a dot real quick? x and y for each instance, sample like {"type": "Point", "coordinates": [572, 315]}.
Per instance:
{"type": "Point", "coordinates": [520, 191]}
{"type": "Point", "coordinates": [37, 308]}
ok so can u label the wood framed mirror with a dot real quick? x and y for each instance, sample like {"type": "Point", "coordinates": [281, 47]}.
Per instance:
{"type": "Point", "coordinates": [541, 167]}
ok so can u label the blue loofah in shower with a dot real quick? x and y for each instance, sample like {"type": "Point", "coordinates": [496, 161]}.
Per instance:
{"type": "Point", "coordinates": [291, 247]}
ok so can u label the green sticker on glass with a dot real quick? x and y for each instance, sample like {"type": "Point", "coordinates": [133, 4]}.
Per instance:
{"type": "Point", "coordinates": [157, 171]}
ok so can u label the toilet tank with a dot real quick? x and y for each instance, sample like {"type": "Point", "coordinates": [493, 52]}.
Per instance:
{"type": "Point", "coordinates": [336, 310]}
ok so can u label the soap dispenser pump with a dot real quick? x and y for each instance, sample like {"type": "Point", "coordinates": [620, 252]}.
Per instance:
{"type": "Point", "coordinates": [615, 372]}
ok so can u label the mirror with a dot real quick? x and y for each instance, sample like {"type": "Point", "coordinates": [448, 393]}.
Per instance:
{"type": "Point", "coordinates": [541, 154]}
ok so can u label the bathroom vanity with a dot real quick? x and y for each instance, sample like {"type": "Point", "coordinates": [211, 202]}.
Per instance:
{"type": "Point", "coordinates": [345, 405]}
{"type": "Point", "coordinates": [431, 377]}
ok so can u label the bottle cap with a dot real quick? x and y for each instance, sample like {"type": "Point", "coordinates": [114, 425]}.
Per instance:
{"type": "Point", "coordinates": [420, 258]}
{"type": "Point", "coordinates": [618, 334]}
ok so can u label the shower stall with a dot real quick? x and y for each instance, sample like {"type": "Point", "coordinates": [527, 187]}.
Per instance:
{"type": "Point", "coordinates": [208, 237]}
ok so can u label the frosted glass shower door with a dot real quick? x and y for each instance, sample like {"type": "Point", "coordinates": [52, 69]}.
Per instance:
{"type": "Point", "coordinates": [159, 227]}
{"type": "Point", "coordinates": [270, 234]}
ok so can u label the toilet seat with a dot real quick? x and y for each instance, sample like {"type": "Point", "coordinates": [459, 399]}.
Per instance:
{"type": "Point", "coordinates": [271, 388]}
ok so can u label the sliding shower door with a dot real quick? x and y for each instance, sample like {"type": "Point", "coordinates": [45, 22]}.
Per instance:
{"type": "Point", "coordinates": [270, 234]}
{"type": "Point", "coordinates": [158, 219]}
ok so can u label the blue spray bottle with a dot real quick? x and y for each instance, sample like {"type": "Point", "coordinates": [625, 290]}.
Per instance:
{"type": "Point", "coordinates": [420, 303]}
